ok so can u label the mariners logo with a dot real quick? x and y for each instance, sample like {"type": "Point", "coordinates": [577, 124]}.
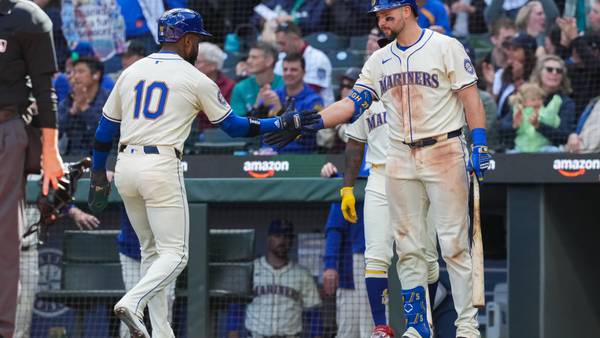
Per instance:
{"type": "Point", "coordinates": [221, 99]}
{"type": "Point", "coordinates": [50, 276]}
{"type": "Point", "coordinates": [469, 66]}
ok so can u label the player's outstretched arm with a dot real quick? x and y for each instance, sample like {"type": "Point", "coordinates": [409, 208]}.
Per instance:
{"type": "Point", "coordinates": [475, 115]}
{"type": "Point", "coordinates": [348, 109]}
{"type": "Point", "coordinates": [99, 184]}
{"type": "Point", "coordinates": [236, 126]}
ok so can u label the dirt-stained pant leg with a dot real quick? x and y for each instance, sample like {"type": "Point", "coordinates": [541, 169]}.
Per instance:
{"type": "Point", "coordinates": [444, 174]}
{"type": "Point", "coordinates": [13, 141]}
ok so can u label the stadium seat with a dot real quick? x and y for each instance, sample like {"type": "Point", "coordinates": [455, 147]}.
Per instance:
{"type": "Point", "coordinates": [327, 41]}
{"type": "Point", "coordinates": [216, 141]}
{"type": "Point", "coordinates": [77, 246]}
{"type": "Point", "coordinates": [231, 245]}
{"type": "Point", "coordinates": [358, 43]}
{"type": "Point", "coordinates": [344, 59]}
{"type": "Point", "coordinates": [231, 255]}
{"type": "Point", "coordinates": [497, 313]}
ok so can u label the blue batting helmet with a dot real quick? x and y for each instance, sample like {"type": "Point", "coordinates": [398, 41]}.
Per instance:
{"type": "Point", "coordinates": [381, 5]}
{"type": "Point", "coordinates": [175, 23]}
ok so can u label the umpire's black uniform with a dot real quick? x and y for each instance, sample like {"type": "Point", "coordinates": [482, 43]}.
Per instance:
{"type": "Point", "coordinates": [27, 64]}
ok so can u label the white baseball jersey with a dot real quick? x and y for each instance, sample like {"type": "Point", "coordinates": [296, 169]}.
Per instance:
{"type": "Point", "coordinates": [157, 98]}
{"type": "Point", "coordinates": [417, 86]}
{"type": "Point", "coordinates": [372, 128]}
{"type": "Point", "coordinates": [317, 72]}
{"type": "Point", "coordinates": [280, 295]}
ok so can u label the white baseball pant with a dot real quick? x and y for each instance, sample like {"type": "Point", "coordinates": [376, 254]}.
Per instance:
{"type": "Point", "coordinates": [353, 313]}
{"type": "Point", "coordinates": [436, 174]}
{"type": "Point", "coordinates": [160, 316]}
{"type": "Point", "coordinates": [153, 191]}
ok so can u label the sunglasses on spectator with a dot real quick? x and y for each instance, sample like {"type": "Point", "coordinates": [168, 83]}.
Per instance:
{"type": "Point", "coordinates": [554, 70]}
{"type": "Point", "coordinates": [347, 85]}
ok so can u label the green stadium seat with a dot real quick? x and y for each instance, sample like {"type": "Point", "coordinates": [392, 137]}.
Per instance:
{"type": "Point", "coordinates": [92, 276]}
{"type": "Point", "coordinates": [216, 141]}
{"type": "Point", "coordinates": [97, 246]}
{"type": "Point", "coordinates": [344, 59]}
{"type": "Point", "coordinates": [358, 43]}
{"type": "Point", "coordinates": [327, 41]}
{"type": "Point", "coordinates": [231, 245]}
{"type": "Point", "coordinates": [230, 279]}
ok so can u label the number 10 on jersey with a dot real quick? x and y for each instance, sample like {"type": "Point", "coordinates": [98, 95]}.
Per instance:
{"type": "Point", "coordinates": [145, 93]}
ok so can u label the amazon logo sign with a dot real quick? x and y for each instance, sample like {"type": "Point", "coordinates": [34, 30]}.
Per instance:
{"type": "Point", "coordinates": [575, 167]}
{"type": "Point", "coordinates": [265, 169]}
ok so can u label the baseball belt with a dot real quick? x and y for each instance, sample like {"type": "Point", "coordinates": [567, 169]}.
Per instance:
{"type": "Point", "coordinates": [7, 113]}
{"type": "Point", "coordinates": [153, 150]}
{"type": "Point", "coordinates": [429, 141]}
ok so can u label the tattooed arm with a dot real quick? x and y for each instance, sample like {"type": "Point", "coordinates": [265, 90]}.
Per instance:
{"type": "Point", "coordinates": [355, 151]}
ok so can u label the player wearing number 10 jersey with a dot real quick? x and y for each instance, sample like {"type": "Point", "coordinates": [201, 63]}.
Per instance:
{"type": "Point", "coordinates": [153, 104]}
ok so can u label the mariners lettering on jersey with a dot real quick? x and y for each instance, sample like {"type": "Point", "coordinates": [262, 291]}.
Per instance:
{"type": "Point", "coordinates": [376, 120]}
{"type": "Point", "coordinates": [280, 290]}
{"type": "Point", "coordinates": [408, 78]}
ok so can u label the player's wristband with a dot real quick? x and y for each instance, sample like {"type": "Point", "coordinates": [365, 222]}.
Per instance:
{"type": "Point", "coordinates": [346, 190]}
{"type": "Point", "coordinates": [478, 136]}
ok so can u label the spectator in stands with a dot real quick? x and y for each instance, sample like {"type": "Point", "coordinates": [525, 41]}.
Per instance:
{"type": "Point", "coordinates": [550, 74]}
{"type": "Point", "coordinates": [61, 82]}
{"type": "Point", "coordinates": [135, 51]}
{"type": "Point", "coordinates": [341, 12]}
{"type": "Point", "coordinates": [309, 15]}
{"type": "Point", "coordinates": [79, 113]}
{"type": "Point", "coordinates": [210, 62]}
{"type": "Point", "coordinates": [98, 22]}
{"type": "Point", "coordinates": [529, 114]}
{"type": "Point", "coordinates": [593, 18]}
{"type": "Point", "coordinates": [503, 30]}
{"type": "Point", "coordinates": [53, 8]}
{"type": "Point", "coordinates": [278, 280]}
{"type": "Point", "coordinates": [520, 63]}
{"type": "Point", "coordinates": [372, 42]}
{"type": "Point", "coordinates": [531, 20]}
{"type": "Point", "coordinates": [160, 307]}
{"type": "Point", "coordinates": [509, 8]}
{"type": "Point", "coordinates": [303, 96]}
{"type": "Point", "coordinates": [318, 67]}
{"type": "Point", "coordinates": [140, 17]}
{"type": "Point", "coordinates": [467, 17]}
{"type": "Point", "coordinates": [245, 96]}
{"type": "Point", "coordinates": [433, 15]}
{"type": "Point", "coordinates": [584, 61]}
{"type": "Point", "coordinates": [586, 138]}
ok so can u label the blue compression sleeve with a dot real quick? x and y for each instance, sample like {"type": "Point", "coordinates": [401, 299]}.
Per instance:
{"type": "Point", "coordinates": [105, 133]}
{"type": "Point", "coordinates": [236, 126]}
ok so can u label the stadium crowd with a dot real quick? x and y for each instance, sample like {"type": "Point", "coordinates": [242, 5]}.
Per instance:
{"type": "Point", "coordinates": [554, 47]}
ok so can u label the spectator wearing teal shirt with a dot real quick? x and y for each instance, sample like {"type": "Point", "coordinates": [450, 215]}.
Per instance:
{"type": "Point", "coordinates": [261, 60]}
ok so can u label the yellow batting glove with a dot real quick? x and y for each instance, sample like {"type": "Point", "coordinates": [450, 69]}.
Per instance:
{"type": "Point", "coordinates": [348, 204]}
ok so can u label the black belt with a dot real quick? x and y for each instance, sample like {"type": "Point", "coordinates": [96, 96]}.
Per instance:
{"type": "Point", "coordinates": [152, 150]}
{"type": "Point", "coordinates": [429, 141]}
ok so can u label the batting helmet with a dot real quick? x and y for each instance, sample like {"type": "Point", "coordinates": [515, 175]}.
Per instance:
{"type": "Point", "coordinates": [381, 5]}
{"type": "Point", "coordinates": [175, 23]}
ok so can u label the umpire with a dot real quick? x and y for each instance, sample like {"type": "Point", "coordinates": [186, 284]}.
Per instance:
{"type": "Point", "coordinates": [27, 64]}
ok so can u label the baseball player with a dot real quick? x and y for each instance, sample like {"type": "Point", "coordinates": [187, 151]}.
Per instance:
{"type": "Point", "coordinates": [153, 105]}
{"type": "Point", "coordinates": [427, 84]}
{"type": "Point", "coordinates": [283, 289]}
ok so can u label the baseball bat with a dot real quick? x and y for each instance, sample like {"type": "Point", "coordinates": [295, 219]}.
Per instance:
{"type": "Point", "coordinates": [477, 251]}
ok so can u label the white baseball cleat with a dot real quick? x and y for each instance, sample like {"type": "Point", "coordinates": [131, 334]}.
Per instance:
{"type": "Point", "coordinates": [135, 324]}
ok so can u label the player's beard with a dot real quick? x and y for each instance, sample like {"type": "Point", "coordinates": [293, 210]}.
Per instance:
{"type": "Point", "coordinates": [192, 57]}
